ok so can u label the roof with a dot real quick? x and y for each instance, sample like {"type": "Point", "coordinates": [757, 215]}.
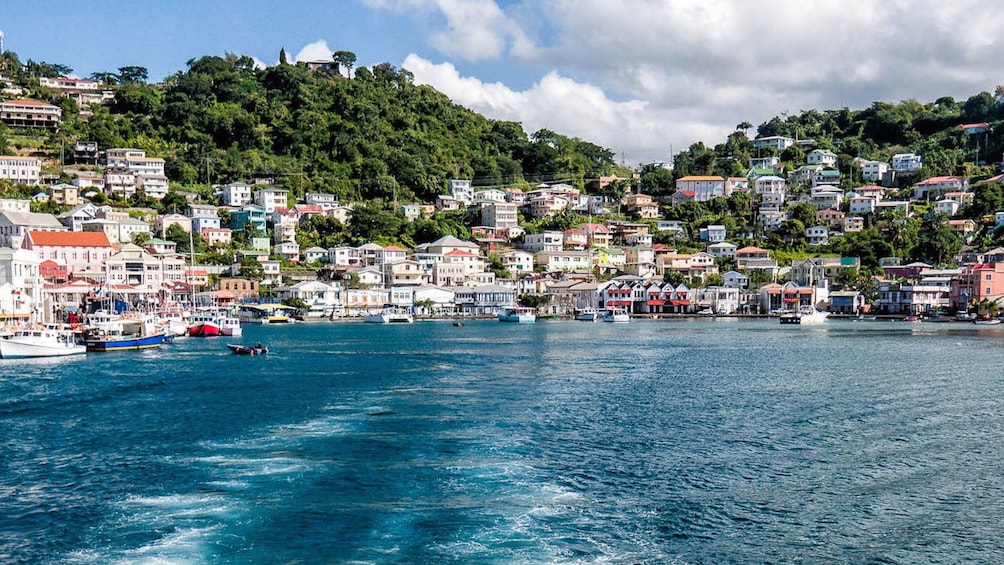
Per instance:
{"type": "Point", "coordinates": [32, 219]}
{"type": "Point", "coordinates": [69, 239]}
{"type": "Point", "coordinates": [699, 177]}
{"type": "Point", "coordinates": [935, 180]}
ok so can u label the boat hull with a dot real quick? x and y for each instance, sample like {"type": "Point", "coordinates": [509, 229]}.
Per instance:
{"type": "Point", "coordinates": [127, 343]}
{"type": "Point", "coordinates": [204, 329]}
{"type": "Point", "coordinates": [10, 349]}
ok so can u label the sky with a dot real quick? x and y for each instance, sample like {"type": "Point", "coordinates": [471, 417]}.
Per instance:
{"type": "Point", "coordinates": [642, 78]}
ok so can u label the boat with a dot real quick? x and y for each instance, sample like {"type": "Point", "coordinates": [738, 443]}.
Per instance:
{"type": "Point", "coordinates": [806, 315]}
{"type": "Point", "coordinates": [587, 315]}
{"type": "Point", "coordinates": [390, 315]}
{"type": "Point", "coordinates": [986, 321]}
{"type": "Point", "coordinates": [40, 342]}
{"type": "Point", "coordinates": [706, 312]}
{"type": "Point", "coordinates": [912, 319]}
{"type": "Point", "coordinates": [229, 325]}
{"type": "Point", "coordinates": [258, 349]}
{"type": "Point", "coordinates": [458, 324]}
{"type": "Point", "coordinates": [264, 314]}
{"type": "Point", "coordinates": [123, 334]}
{"type": "Point", "coordinates": [204, 324]}
{"type": "Point", "coordinates": [518, 314]}
{"type": "Point", "coordinates": [617, 315]}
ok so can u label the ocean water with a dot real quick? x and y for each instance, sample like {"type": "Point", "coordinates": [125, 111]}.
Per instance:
{"type": "Point", "coordinates": [692, 441]}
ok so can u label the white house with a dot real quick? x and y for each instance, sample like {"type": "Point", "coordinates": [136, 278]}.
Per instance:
{"type": "Point", "coordinates": [817, 235]}
{"type": "Point", "coordinates": [823, 157]}
{"type": "Point", "coordinates": [906, 162]}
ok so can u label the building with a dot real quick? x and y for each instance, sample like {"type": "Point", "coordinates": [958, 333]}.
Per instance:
{"type": "Point", "coordinates": [271, 198]}
{"type": "Point", "coordinates": [80, 252]}
{"type": "Point", "coordinates": [778, 142]}
{"type": "Point", "coordinates": [500, 214]}
{"type": "Point", "coordinates": [235, 194]}
{"type": "Point", "coordinates": [30, 114]}
{"type": "Point", "coordinates": [21, 170]}
{"type": "Point", "coordinates": [906, 162]}
{"type": "Point", "coordinates": [704, 187]}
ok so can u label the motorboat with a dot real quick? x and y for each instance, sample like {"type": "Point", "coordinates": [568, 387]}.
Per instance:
{"type": "Point", "coordinates": [204, 324]}
{"type": "Point", "coordinates": [264, 314]}
{"type": "Point", "coordinates": [587, 315]}
{"type": "Point", "coordinates": [618, 315]}
{"type": "Point", "coordinates": [518, 314]}
{"type": "Point", "coordinates": [390, 315]}
{"type": "Point", "coordinates": [806, 315]}
{"type": "Point", "coordinates": [40, 342]}
{"type": "Point", "coordinates": [986, 321]}
{"type": "Point", "coordinates": [258, 349]}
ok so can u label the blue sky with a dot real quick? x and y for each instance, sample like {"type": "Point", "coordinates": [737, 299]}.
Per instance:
{"type": "Point", "coordinates": [643, 78]}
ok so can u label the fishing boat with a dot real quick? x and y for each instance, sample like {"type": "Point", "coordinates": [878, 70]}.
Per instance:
{"type": "Point", "coordinates": [587, 315]}
{"type": "Point", "coordinates": [40, 342]}
{"type": "Point", "coordinates": [123, 334]}
{"type": "Point", "coordinates": [390, 315]}
{"type": "Point", "coordinates": [617, 315]}
{"type": "Point", "coordinates": [518, 314]}
{"type": "Point", "coordinates": [258, 349]}
{"type": "Point", "coordinates": [204, 324]}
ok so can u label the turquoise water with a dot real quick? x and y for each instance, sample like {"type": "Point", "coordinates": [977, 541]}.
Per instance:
{"type": "Point", "coordinates": [703, 441]}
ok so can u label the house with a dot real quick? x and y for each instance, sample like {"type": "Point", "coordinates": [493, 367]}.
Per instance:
{"type": "Point", "coordinates": [749, 253]}
{"type": "Point", "coordinates": [20, 223]}
{"type": "Point", "coordinates": [931, 188]}
{"type": "Point", "coordinates": [681, 196]}
{"type": "Point", "coordinates": [735, 279]}
{"type": "Point", "coordinates": [714, 233]}
{"type": "Point", "coordinates": [271, 198]}
{"type": "Point", "coordinates": [847, 302]}
{"type": "Point", "coordinates": [826, 177]}
{"type": "Point", "coordinates": [722, 249]}
{"type": "Point", "coordinates": [873, 171]}
{"type": "Point", "coordinates": [896, 297]}
{"type": "Point", "coordinates": [546, 241]}
{"type": "Point", "coordinates": [575, 239]}
{"type": "Point", "coordinates": [597, 235]}
{"type": "Point", "coordinates": [642, 205]}
{"type": "Point", "coordinates": [778, 142]}
{"type": "Point", "coordinates": [163, 223]}
{"type": "Point", "coordinates": [823, 157]}
{"type": "Point", "coordinates": [21, 170]}
{"type": "Point", "coordinates": [639, 260]}
{"type": "Point", "coordinates": [771, 162]}
{"type": "Point", "coordinates": [737, 184]}
{"type": "Point", "coordinates": [80, 251]}
{"type": "Point", "coordinates": [965, 227]}
{"type": "Point", "coordinates": [861, 205]}
{"type": "Point", "coordinates": [673, 226]}
{"type": "Point", "coordinates": [75, 218]}
{"type": "Point", "coordinates": [235, 194]}
{"type": "Point", "coordinates": [216, 237]}
{"type": "Point", "coordinates": [30, 114]}
{"type": "Point", "coordinates": [403, 273]}
{"type": "Point", "coordinates": [830, 217]}
{"type": "Point", "coordinates": [238, 287]}
{"type": "Point", "coordinates": [770, 184]}
{"type": "Point", "coordinates": [517, 262]}
{"type": "Point", "coordinates": [500, 214]}
{"type": "Point", "coordinates": [288, 250]}
{"type": "Point", "coordinates": [314, 254]}
{"type": "Point", "coordinates": [853, 224]}
{"type": "Point", "coordinates": [704, 188]}
{"type": "Point", "coordinates": [134, 266]}
{"type": "Point", "coordinates": [817, 235]}
{"type": "Point", "coordinates": [696, 265]}
{"type": "Point", "coordinates": [947, 207]}
{"type": "Point", "coordinates": [826, 197]}
{"type": "Point", "coordinates": [804, 174]}
{"type": "Point", "coordinates": [461, 190]}
{"type": "Point", "coordinates": [906, 162]}
{"type": "Point", "coordinates": [564, 261]}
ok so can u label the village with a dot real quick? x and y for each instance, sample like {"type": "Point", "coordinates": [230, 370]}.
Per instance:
{"type": "Point", "coordinates": [626, 255]}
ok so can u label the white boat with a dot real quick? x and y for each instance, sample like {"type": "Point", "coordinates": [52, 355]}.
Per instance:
{"type": "Point", "coordinates": [618, 315]}
{"type": "Point", "coordinates": [986, 321]}
{"type": "Point", "coordinates": [40, 342]}
{"type": "Point", "coordinates": [390, 315]}
{"type": "Point", "coordinates": [518, 314]}
{"type": "Point", "coordinates": [229, 325]}
{"type": "Point", "coordinates": [587, 315]}
{"type": "Point", "coordinates": [806, 315]}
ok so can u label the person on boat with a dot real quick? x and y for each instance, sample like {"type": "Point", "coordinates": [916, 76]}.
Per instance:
{"type": "Point", "coordinates": [259, 346]}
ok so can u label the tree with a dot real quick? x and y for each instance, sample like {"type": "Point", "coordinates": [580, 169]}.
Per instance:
{"type": "Point", "coordinates": [139, 238]}
{"type": "Point", "coordinates": [346, 59]}
{"type": "Point", "coordinates": [132, 74]}
{"type": "Point", "coordinates": [282, 56]}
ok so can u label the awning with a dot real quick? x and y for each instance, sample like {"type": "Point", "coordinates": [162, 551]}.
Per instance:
{"type": "Point", "coordinates": [656, 302]}
{"type": "Point", "coordinates": [680, 302]}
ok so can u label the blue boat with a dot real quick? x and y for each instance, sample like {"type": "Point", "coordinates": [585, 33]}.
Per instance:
{"type": "Point", "coordinates": [123, 334]}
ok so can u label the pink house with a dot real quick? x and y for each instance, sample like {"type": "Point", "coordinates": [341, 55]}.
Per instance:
{"type": "Point", "coordinates": [79, 251]}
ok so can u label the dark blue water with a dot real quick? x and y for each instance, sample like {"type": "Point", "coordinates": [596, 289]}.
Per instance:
{"type": "Point", "coordinates": [562, 442]}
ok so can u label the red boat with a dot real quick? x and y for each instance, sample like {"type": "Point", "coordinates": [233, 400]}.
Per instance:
{"type": "Point", "coordinates": [245, 350]}
{"type": "Point", "coordinates": [204, 329]}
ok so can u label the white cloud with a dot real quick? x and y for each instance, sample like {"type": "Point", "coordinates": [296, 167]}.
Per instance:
{"type": "Point", "coordinates": [639, 75]}
{"type": "Point", "coordinates": [316, 51]}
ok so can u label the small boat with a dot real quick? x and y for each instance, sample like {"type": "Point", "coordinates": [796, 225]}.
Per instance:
{"type": "Point", "coordinates": [912, 319]}
{"type": "Point", "coordinates": [587, 315]}
{"type": "Point", "coordinates": [40, 342]}
{"type": "Point", "coordinates": [617, 315]}
{"type": "Point", "coordinates": [986, 321]}
{"type": "Point", "coordinates": [258, 349]}
{"type": "Point", "coordinates": [264, 314]}
{"type": "Point", "coordinates": [458, 324]}
{"type": "Point", "coordinates": [390, 315]}
{"type": "Point", "coordinates": [518, 314]}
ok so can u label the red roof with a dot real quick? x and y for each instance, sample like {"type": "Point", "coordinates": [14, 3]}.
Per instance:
{"type": "Point", "coordinates": [459, 253]}
{"type": "Point", "coordinates": [69, 239]}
